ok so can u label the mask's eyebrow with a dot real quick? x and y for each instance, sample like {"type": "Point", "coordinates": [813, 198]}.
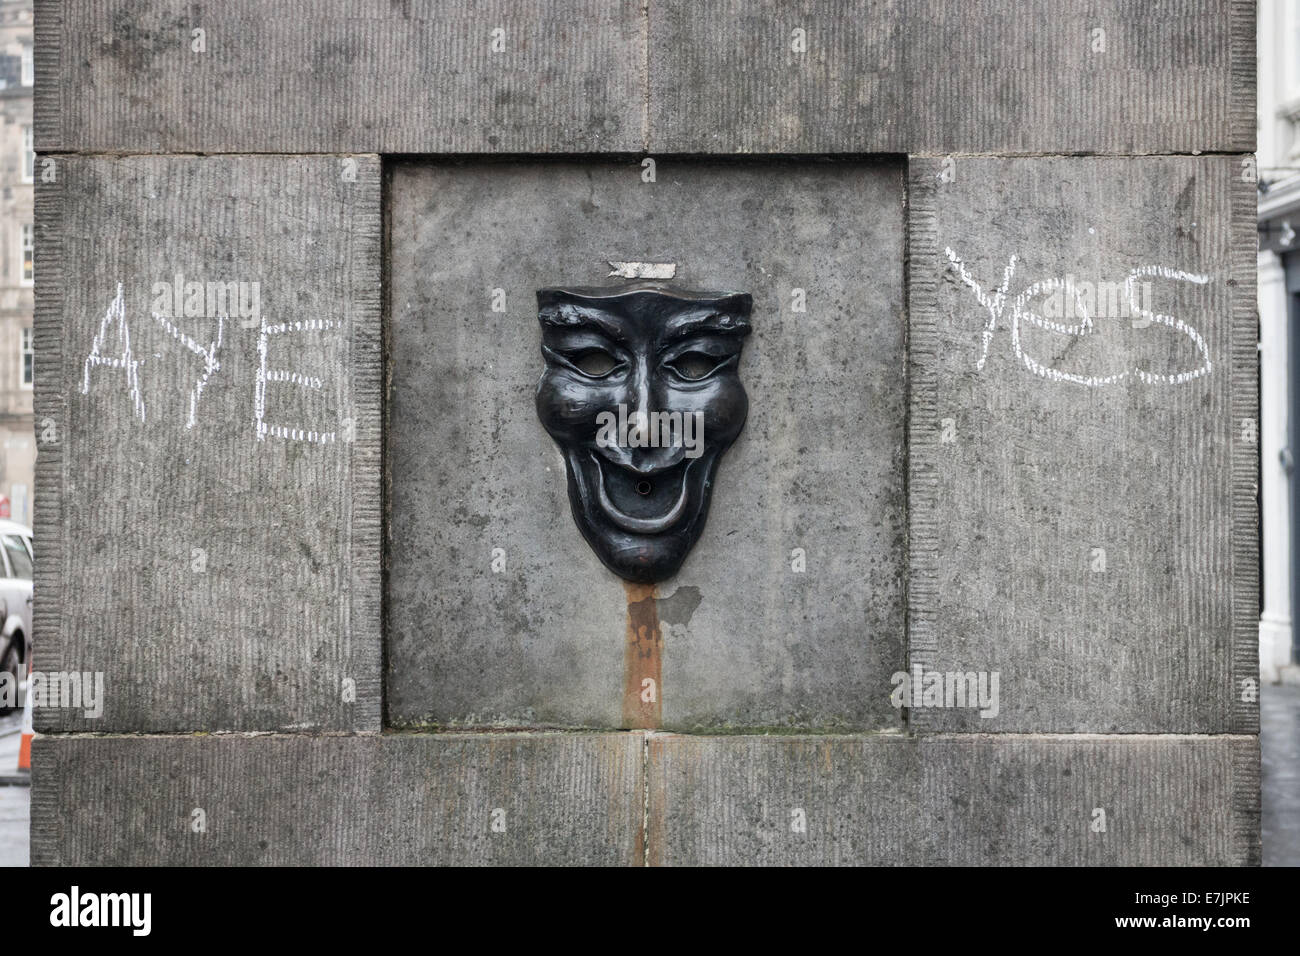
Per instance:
{"type": "Point", "coordinates": [565, 316]}
{"type": "Point", "coordinates": [706, 321]}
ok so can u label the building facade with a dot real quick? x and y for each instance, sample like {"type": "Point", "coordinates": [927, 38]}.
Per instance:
{"type": "Point", "coordinates": [1278, 157]}
{"type": "Point", "coordinates": [17, 174]}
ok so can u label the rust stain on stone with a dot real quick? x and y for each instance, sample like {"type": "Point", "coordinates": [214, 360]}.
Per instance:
{"type": "Point", "coordinates": [642, 660]}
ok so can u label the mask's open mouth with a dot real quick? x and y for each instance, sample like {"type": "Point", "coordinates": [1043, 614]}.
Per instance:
{"type": "Point", "coordinates": [641, 503]}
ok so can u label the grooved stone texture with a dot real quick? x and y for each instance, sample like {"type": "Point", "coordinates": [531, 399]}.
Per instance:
{"type": "Point", "coordinates": [1034, 461]}
{"type": "Point", "coordinates": [348, 76]}
{"type": "Point", "coordinates": [1072, 455]}
{"type": "Point", "coordinates": [208, 478]}
{"type": "Point", "coordinates": [936, 76]}
{"type": "Point", "coordinates": [965, 800]}
{"type": "Point", "coordinates": [745, 640]}
{"type": "Point", "coordinates": [580, 798]}
{"type": "Point", "coordinates": [412, 76]}
{"type": "Point", "coordinates": [339, 801]}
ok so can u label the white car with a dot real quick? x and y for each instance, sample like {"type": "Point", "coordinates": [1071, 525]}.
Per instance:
{"type": "Point", "coordinates": [15, 598]}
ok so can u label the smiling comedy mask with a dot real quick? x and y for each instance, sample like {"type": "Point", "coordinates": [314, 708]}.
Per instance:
{"type": "Point", "coordinates": [641, 392]}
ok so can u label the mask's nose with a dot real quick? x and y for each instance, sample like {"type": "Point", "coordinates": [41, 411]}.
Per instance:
{"type": "Point", "coordinates": [652, 445]}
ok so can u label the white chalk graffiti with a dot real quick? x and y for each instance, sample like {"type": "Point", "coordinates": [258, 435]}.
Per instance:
{"type": "Point", "coordinates": [125, 359]}
{"type": "Point", "coordinates": [265, 375]}
{"type": "Point", "coordinates": [1174, 323]}
{"type": "Point", "coordinates": [116, 315]}
{"type": "Point", "coordinates": [209, 356]}
{"type": "Point", "coordinates": [996, 303]}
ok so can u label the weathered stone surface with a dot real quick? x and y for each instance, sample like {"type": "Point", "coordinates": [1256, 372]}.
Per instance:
{"type": "Point", "coordinates": [746, 640]}
{"type": "Point", "coordinates": [1077, 512]}
{"type": "Point", "coordinates": [578, 798]}
{"type": "Point", "coordinates": [935, 76]}
{"type": "Point", "coordinates": [953, 800]}
{"type": "Point", "coordinates": [741, 800]}
{"type": "Point", "coordinates": [338, 801]}
{"type": "Point", "coordinates": [668, 75]}
{"type": "Point", "coordinates": [209, 535]}
{"type": "Point", "coordinates": [1090, 539]}
{"type": "Point", "coordinates": [1167, 801]}
{"type": "Point", "coordinates": [341, 76]}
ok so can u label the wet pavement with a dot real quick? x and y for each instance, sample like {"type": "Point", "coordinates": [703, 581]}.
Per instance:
{"type": "Point", "coordinates": [1279, 724]}
{"type": "Point", "coordinates": [15, 801]}
{"type": "Point", "coordinates": [15, 808]}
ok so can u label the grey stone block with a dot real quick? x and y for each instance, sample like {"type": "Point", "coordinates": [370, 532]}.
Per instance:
{"type": "Point", "coordinates": [744, 640]}
{"type": "Point", "coordinates": [724, 77]}
{"type": "Point", "coordinates": [338, 801]}
{"type": "Point", "coordinates": [672, 76]}
{"type": "Point", "coordinates": [1163, 800]}
{"type": "Point", "coordinates": [934, 76]}
{"type": "Point", "coordinates": [1086, 532]}
{"type": "Point", "coordinates": [209, 532]}
{"type": "Point", "coordinates": [340, 76]}
{"type": "Point", "coordinates": [578, 798]}
{"type": "Point", "coordinates": [953, 800]}
{"type": "Point", "coordinates": [782, 801]}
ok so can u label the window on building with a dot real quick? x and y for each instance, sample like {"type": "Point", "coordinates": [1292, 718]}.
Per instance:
{"type": "Point", "coordinates": [28, 245]}
{"type": "Point", "coordinates": [27, 359]}
{"type": "Point", "coordinates": [29, 155]}
{"type": "Point", "coordinates": [29, 73]}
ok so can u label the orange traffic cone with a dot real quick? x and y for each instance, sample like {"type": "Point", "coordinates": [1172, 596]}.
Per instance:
{"type": "Point", "coordinates": [25, 746]}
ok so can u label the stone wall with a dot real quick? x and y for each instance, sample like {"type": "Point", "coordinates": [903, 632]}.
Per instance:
{"type": "Point", "coordinates": [1002, 391]}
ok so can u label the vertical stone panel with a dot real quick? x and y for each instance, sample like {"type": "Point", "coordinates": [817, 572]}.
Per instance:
{"type": "Point", "coordinates": [789, 610]}
{"type": "Point", "coordinates": [208, 520]}
{"type": "Point", "coordinates": [1071, 454]}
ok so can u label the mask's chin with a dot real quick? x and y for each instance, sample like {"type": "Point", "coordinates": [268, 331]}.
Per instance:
{"type": "Point", "coordinates": [641, 526]}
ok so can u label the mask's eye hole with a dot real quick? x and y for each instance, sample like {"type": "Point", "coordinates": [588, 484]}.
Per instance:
{"type": "Point", "coordinates": [594, 362]}
{"type": "Point", "coordinates": [693, 366]}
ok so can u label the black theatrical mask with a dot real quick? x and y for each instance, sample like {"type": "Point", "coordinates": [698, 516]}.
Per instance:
{"type": "Point", "coordinates": [641, 392]}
